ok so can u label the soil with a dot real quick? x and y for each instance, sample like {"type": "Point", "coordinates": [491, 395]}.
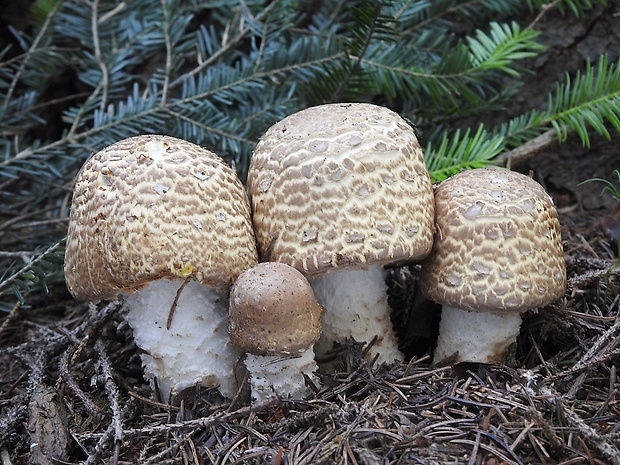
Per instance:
{"type": "Point", "coordinates": [72, 387]}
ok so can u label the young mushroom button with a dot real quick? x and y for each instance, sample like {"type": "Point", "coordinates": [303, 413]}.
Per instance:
{"type": "Point", "coordinates": [338, 191]}
{"type": "Point", "coordinates": [497, 253]}
{"type": "Point", "coordinates": [275, 319]}
{"type": "Point", "coordinates": [167, 224]}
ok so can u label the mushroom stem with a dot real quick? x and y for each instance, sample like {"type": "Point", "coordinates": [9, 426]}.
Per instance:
{"type": "Point", "coordinates": [275, 375]}
{"type": "Point", "coordinates": [478, 337]}
{"type": "Point", "coordinates": [196, 349]}
{"type": "Point", "coordinates": [356, 306]}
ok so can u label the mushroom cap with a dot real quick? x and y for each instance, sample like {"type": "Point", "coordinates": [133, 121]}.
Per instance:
{"type": "Point", "coordinates": [151, 207]}
{"type": "Point", "coordinates": [341, 185]}
{"type": "Point", "coordinates": [273, 311]}
{"type": "Point", "coordinates": [497, 247]}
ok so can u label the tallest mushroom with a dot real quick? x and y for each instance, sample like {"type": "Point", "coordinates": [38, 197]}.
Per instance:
{"type": "Point", "coordinates": [338, 191]}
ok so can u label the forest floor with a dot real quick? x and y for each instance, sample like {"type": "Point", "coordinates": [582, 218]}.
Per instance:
{"type": "Point", "coordinates": [72, 391]}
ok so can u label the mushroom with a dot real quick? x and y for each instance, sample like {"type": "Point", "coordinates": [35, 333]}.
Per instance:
{"type": "Point", "coordinates": [275, 319]}
{"type": "Point", "coordinates": [167, 224]}
{"type": "Point", "coordinates": [497, 253]}
{"type": "Point", "coordinates": [338, 191]}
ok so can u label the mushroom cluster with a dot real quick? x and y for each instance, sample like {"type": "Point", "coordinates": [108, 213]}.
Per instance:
{"type": "Point", "coordinates": [338, 191]}
{"type": "Point", "coordinates": [167, 224]}
{"type": "Point", "coordinates": [497, 253]}
{"type": "Point", "coordinates": [334, 194]}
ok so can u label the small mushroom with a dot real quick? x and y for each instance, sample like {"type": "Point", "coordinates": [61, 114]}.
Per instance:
{"type": "Point", "coordinates": [338, 191]}
{"type": "Point", "coordinates": [167, 224]}
{"type": "Point", "coordinates": [497, 253]}
{"type": "Point", "coordinates": [275, 319]}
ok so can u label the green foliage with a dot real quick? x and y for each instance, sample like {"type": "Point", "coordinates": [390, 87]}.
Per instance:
{"type": "Point", "coordinates": [41, 10]}
{"type": "Point", "coordinates": [219, 73]}
{"type": "Point", "coordinates": [609, 186]}
{"type": "Point", "coordinates": [504, 45]}
{"type": "Point", "coordinates": [33, 270]}
{"type": "Point", "coordinates": [590, 100]}
{"type": "Point", "coordinates": [459, 152]}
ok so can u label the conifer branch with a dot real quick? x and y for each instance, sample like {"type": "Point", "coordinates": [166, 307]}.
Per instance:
{"type": "Point", "coordinates": [43, 31]}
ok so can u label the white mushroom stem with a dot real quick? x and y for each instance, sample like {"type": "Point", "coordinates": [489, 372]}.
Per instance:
{"type": "Point", "coordinates": [273, 375]}
{"type": "Point", "coordinates": [356, 306]}
{"type": "Point", "coordinates": [478, 337]}
{"type": "Point", "coordinates": [196, 349]}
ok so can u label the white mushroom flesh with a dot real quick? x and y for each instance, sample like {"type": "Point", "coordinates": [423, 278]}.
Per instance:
{"type": "Point", "coordinates": [283, 377]}
{"type": "Point", "coordinates": [359, 310]}
{"type": "Point", "coordinates": [474, 336]}
{"type": "Point", "coordinates": [196, 349]}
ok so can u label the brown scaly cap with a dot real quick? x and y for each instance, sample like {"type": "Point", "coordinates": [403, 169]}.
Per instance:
{"type": "Point", "coordinates": [273, 311]}
{"type": "Point", "coordinates": [152, 207]}
{"type": "Point", "coordinates": [341, 185]}
{"type": "Point", "coordinates": [497, 247]}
